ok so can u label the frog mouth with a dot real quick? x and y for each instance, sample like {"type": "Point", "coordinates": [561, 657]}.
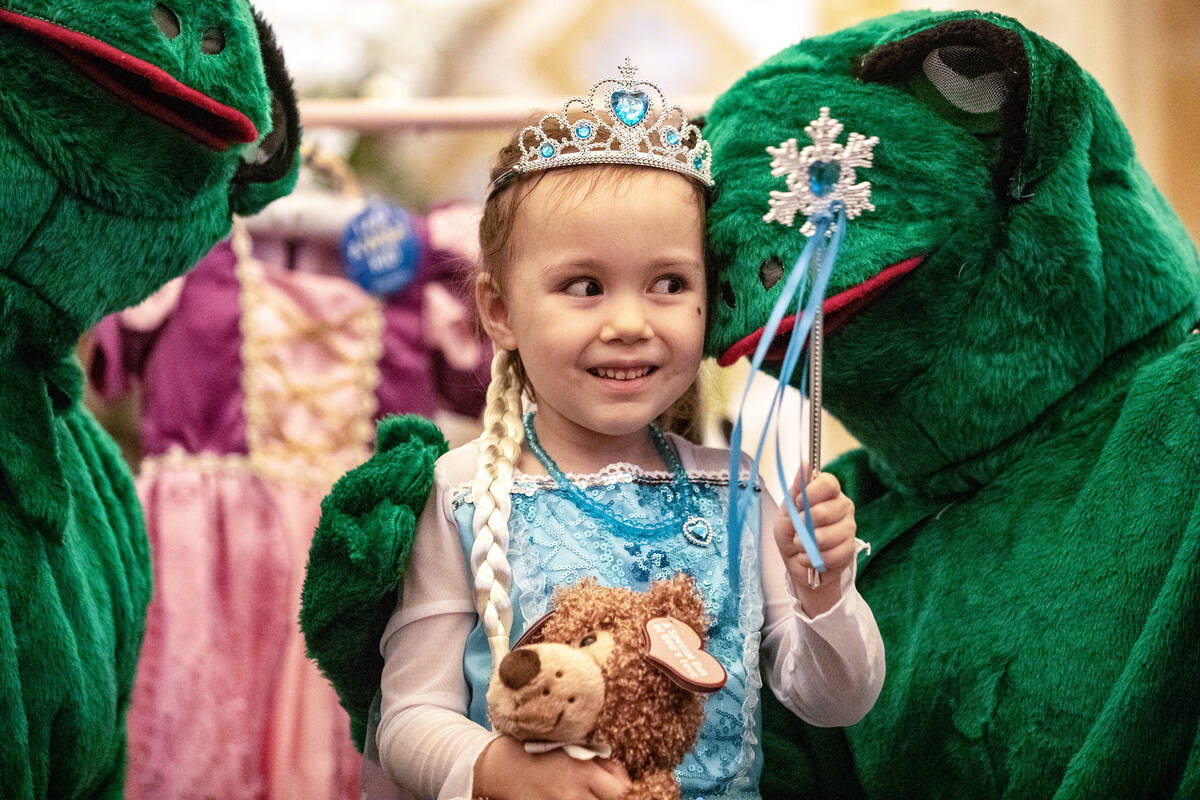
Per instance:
{"type": "Point", "coordinates": [142, 85]}
{"type": "Point", "coordinates": [836, 311]}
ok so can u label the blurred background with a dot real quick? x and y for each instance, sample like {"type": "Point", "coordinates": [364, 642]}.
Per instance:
{"type": "Point", "coordinates": [1145, 53]}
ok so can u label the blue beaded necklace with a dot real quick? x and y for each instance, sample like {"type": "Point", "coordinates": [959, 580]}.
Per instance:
{"type": "Point", "coordinates": [696, 528]}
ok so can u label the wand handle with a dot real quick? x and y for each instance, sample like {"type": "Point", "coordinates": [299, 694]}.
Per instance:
{"type": "Point", "coordinates": [816, 341]}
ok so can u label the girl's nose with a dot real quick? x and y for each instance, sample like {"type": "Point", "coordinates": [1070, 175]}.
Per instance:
{"type": "Point", "coordinates": [626, 322]}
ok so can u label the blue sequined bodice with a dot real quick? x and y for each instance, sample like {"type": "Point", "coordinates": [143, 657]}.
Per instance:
{"type": "Point", "coordinates": [554, 543]}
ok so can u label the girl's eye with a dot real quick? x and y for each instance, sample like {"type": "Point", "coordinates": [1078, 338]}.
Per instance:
{"type": "Point", "coordinates": [670, 284]}
{"type": "Point", "coordinates": [583, 287]}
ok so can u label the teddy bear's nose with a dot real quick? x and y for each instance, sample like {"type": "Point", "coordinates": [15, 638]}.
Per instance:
{"type": "Point", "coordinates": [519, 667]}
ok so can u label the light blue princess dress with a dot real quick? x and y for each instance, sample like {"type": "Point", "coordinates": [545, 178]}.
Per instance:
{"type": "Point", "coordinates": [627, 527]}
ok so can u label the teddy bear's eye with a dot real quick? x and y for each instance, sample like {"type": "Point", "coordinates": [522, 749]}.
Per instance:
{"type": "Point", "coordinates": [588, 639]}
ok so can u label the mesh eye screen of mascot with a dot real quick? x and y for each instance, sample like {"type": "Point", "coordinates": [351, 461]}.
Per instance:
{"type": "Point", "coordinates": [129, 133]}
{"type": "Point", "coordinates": [1011, 341]}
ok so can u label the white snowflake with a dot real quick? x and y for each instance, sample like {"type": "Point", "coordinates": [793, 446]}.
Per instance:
{"type": "Point", "coordinates": [827, 159]}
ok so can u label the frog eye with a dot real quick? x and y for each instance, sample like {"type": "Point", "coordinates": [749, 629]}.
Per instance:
{"type": "Point", "coordinates": [970, 78]}
{"type": "Point", "coordinates": [166, 20]}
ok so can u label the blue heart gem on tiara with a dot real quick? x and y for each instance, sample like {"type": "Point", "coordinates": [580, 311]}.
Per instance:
{"type": "Point", "coordinates": [698, 162]}
{"type": "Point", "coordinates": [547, 150]}
{"type": "Point", "coordinates": [823, 176]}
{"type": "Point", "coordinates": [671, 137]}
{"type": "Point", "coordinates": [583, 130]}
{"type": "Point", "coordinates": [630, 107]}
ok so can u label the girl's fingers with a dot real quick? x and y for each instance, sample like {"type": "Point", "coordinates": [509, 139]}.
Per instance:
{"type": "Point", "coordinates": [607, 784]}
{"type": "Point", "coordinates": [614, 768]}
{"type": "Point", "coordinates": [830, 512]}
{"type": "Point", "coordinates": [827, 536]}
{"type": "Point", "coordinates": [823, 487]}
{"type": "Point", "coordinates": [829, 519]}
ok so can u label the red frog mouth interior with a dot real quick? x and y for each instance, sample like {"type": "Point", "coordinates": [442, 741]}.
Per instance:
{"type": "Point", "coordinates": [142, 85]}
{"type": "Point", "coordinates": [836, 310]}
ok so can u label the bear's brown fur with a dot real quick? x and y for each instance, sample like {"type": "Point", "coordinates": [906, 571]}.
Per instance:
{"type": "Point", "coordinates": [587, 679]}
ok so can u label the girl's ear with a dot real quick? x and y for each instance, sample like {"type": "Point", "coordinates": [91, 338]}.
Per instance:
{"type": "Point", "coordinates": [493, 312]}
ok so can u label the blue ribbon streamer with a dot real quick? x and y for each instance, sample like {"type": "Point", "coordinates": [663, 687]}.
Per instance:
{"type": "Point", "coordinates": [741, 495]}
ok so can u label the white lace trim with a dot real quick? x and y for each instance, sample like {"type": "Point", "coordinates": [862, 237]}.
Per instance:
{"type": "Point", "coordinates": [612, 475]}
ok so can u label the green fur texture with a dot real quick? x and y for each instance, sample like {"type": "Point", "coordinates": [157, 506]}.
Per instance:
{"type": "Point", "coordinates": [102, 204]}
{"type": "Point", "coordinates": [357, 559]}
{"type": "Point", "coordinates": [1028, 400]}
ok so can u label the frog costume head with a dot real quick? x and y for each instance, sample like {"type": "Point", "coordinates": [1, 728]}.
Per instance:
{"type": "Point", "coordinates": [130, 132]}
{"type": "Point", "coordinates": [1016, 246]}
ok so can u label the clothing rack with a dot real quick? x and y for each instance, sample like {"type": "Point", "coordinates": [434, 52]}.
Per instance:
{"type": "Point", "coordinates": [379, 115]}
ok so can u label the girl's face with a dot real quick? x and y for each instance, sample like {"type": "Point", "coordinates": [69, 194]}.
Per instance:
{"type": "Point", "coordinates": [604, 297]}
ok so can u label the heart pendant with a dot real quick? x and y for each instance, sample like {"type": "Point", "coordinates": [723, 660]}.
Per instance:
{"type": "Point", "coordinates": [697, 531]}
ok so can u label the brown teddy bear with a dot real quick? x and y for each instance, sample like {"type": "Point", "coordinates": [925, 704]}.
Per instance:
{"type": "Point", "coordinates": [614, 673]}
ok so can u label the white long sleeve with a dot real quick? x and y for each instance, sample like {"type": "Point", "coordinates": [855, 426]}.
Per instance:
{"type": "Point", "coordinates": [426, 741]}
{"type": "Point", "coordinates": [828, 669]}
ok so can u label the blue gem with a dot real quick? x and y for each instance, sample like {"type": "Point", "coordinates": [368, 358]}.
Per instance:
{"type": "Point", "coordinates": [823, 176]}
{"type": "Point", "coordinates": [672, 137]}
{"type": "Point", "coordinates": [547, 150]}
{"type": "Point", "coordinates": [583, 130]}
{"type": "Point", "coordinates": [697, 531]}
{"type": "Point", "coordinates": [630, 107]}
{"type": "Point", "coordinates": [698, 162]}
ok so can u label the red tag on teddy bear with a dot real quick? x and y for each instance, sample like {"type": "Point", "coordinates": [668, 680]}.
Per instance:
{"type": "Point", "coordinates": [675, 648]}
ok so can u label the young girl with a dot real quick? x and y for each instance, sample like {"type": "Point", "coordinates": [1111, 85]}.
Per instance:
{"type": "Point", "coordinates": [594, 291]}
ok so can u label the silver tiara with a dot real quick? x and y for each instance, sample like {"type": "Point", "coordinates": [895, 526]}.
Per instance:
{"type": "Point", "coordinates": [642, 130]}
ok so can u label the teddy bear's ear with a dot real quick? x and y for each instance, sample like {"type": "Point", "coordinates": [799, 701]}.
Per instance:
{"type": "Point", "coordinates": [533, 634]}
{"type": "Point", "coordinates": [679, 598]}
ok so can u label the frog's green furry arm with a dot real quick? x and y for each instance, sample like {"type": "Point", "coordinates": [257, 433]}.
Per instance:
{"type": "Point", "coordinates": [357, 559]}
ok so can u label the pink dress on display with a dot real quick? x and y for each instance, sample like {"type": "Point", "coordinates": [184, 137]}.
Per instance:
{"type": "Point", "coordinates": [261, 384]}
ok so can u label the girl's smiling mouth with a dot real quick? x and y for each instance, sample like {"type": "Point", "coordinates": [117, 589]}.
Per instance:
{"type": "Point", "coordinates": [622, 373]}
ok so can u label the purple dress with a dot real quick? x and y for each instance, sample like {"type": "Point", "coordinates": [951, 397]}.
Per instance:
{"type": "Point", "coordinates": [262, 378]}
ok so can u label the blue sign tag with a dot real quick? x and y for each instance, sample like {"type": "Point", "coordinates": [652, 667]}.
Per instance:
{"type": "Point", "coordinates": [381, 248]}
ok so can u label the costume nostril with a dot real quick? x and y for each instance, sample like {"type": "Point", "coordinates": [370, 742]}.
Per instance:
{"type": "Point", "coordinates": [213, 41]}
{"type": "Point", "coordinates": [167, 21]}
{"type": "Point", "coordinates": [727, 294]}
{"type": "Point", "coordinates": [771, 272]}
{"type": "Point", "coordinates": [519, 667]}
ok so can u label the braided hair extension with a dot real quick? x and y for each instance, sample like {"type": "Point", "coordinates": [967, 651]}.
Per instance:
{"type": "Point", "coordinates": [499, 447]}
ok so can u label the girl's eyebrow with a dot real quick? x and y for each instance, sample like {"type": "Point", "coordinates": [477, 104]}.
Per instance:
{"type": "Point", "coordinates": [586, 263]}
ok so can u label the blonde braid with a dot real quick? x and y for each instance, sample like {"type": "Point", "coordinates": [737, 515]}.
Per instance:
{"type": "Point", "coordinates": [499, 447]}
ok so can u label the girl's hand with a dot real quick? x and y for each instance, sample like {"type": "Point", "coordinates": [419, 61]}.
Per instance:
{"type": "Point", "coordinates": [833, 523]}
{"type": "Point", "coordinates": [504, 771]}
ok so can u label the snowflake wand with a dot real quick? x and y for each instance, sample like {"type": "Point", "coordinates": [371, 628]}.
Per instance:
{"type": "Point", "coordinates": [822, 185]}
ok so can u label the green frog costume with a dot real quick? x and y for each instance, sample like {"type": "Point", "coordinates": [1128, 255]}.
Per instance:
{"type": "Point", "coordinates": [129, 133]}
{"type": "Point", "coordinates": [1011, 338]}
